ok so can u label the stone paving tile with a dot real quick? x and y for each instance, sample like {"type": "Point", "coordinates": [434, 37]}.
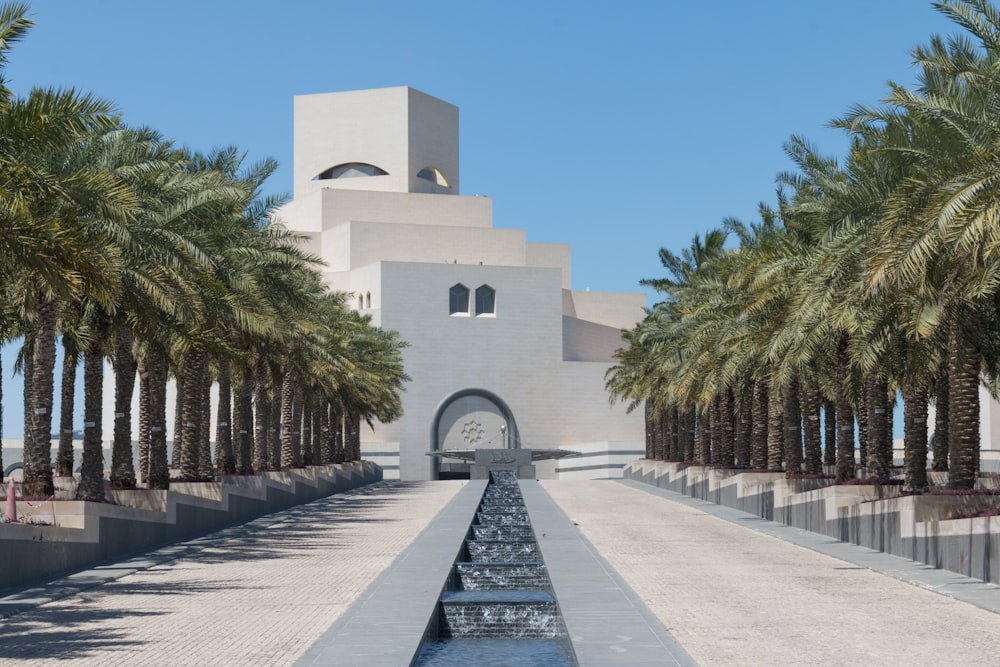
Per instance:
{"type": "Point", "coordinates": [734, 596]}
{"type": "Point", "coordinates": [261, 597]}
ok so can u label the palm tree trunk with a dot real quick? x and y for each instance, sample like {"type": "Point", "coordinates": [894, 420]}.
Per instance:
{"type": "Point", "coordinates": [317, 433]}
{"type": "Point", "coordinates": [38, 453]}
{"type": "Point", "coordinates": [829, 433]}
{"type": "Point", "coordinates": [862, 414]}
{"type": "Point", "coordinates": [759, 425]}
{"type": "Point", "coordinates": [307, 432]}
{"type": "Point", "coordinates": [244, 460]}
{"type": "Point", "coordinates": [328, 452]}
{"type": "Point", "coordinates": [285, 419]}
{"type": "Point", "coordinates": [647, 419]}
{"type": "Point", "coordinates": [879, 438]}
{"type": "Point", "coordinates": [352, 436]}
{"type": "Point", "coordinates": [175, 458]}
{"type": "Point", "coordinates": [715, 429]}
{"type": "Point", "coordinates": [727, 443]}
{"type": "Point", "coordinates": [775, 435]}
{"type": "Point", "coordinates": [674, 449]}
{"type": "Point", "coordinates": [941, 400]}
{"type": "Point", "coordinates": [28, 371]}
{"type": "Point", "coordinates": [122, 464]}
{"type": "Point", "coordinates": [337, 431]}
{"type": "Point", "coordinates": [744, 433]}
{"type": "Point", "coordinates": [144, 423]}
{"type": "Point", "coordinates": [690, 424]}
{"type": "Point", "coordinates": [963, 409]}
{"type": "Point", "coordinates": [845, 416]}
{"type": "Point", "coordinates": [915, 437]}
{"type": "Point", "coordinates": [225, 459]}
{"type": "Point", "coordinates": [810, 401]}
{"type": "Point", "coordinates": [261, 409]}
{"type": "Point", "coordinates": [236, 425]}
{"type": "Point", "coordinates": [205, 420]}
{"type": "Point", "coordinates": [296, 426]}
{"type": "Point", "coordinates": [654, 434]}
{"type": "Point", "coordinates": [274, 427]}
{"type": "Point", "coordinates": [190, 393]}
{"type": "Point", "coordinates": [703, 436]}
{"type": "Point", "coordinates": [67, 396]}
{"type": "Point", "coordinates": [661, 439]}
{"type": "Point", "coordinates": [91, 485]}
{"type": "Point", "coordinates": [791, 413]}
{"type": "Point", "coordinates": [159, 471]}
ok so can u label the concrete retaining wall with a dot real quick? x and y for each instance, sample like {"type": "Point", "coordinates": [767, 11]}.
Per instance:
{"type": "Point", "coordinates": [65, 535]}
{"type": "Point", "coordinates": [923, 528]}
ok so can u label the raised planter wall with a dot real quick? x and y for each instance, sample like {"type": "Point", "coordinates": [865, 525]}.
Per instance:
{"type": "Point", "coordinates": [79, 534]}
{"type": "Point", "coordinates": [922, 528]}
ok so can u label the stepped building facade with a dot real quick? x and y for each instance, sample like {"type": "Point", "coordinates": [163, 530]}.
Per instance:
{"type": "Point", "coordinates": [502, 352]}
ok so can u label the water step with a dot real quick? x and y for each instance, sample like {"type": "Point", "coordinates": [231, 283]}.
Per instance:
{"type": "Point", "coordinates": [493, 551]}
{"type": "Point", "coordinates": [501, 576]}
{"type": "Point", "coordinates": [497, 653]}
{"type": "Point", "coordinates": [511, 614]}
{"type": "Point", "coordinates": [503, 532]}
{"type": "Point", "coordinates": [520, 517]}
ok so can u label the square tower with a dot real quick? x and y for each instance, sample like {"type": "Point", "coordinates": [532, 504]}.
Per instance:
{"type": "Point", "coordinates": [385, 139]}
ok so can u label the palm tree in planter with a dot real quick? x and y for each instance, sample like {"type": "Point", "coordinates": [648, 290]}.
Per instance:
{"type": "Point", "coordinates": [940, 222]}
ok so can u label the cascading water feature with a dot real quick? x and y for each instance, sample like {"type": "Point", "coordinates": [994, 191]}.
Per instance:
{"type": "Point", "coordinates": [498, 607]}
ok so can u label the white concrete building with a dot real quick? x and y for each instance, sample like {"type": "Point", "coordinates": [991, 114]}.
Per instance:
{"type": "Point", "coordinates": [497, 337]}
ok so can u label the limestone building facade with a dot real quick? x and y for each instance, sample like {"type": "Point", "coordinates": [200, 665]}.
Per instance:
{"type": "Point", "coordinates": [502, 352]}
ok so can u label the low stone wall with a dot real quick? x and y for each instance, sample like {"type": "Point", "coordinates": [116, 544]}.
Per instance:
{"type": "Point", "coordinates": [922, 528]}
{"type": "Point", "coordinates": [64, 535]}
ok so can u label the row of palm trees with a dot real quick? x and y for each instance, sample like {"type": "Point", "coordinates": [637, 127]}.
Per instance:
{"type": "Point", "coordinates": [871, 278]}
{"type": "Point", "coordinates": [121, 246]}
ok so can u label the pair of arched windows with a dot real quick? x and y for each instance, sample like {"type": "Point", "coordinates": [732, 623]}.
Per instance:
{"type": "Point", "coordinates": [364, 300]}
{"type": "Point", "coordinates": [485, 304]}
{"type": "Point", "coordinates": [362, 169]}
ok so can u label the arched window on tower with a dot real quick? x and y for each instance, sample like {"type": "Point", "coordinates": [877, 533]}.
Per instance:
{"type": "Point", "coordinates": [368, 299]}
{"type": "Point", "coordinates": [458, 300]}
{"type": "Point", "coordinates": [486, 300]}
{"type": "Point", "coordinates": [350, 170]}
{"type": "Point", "coordinates": [361, 302]}
{"type": "Point", "coordinates": [434, 175]}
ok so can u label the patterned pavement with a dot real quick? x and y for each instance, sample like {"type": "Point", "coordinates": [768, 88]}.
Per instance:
{"type": "Point", "coordinates": [261, 597]}
{"type": "Point", "coordinates": [263, 593]}
{"type": "Point", "coordinates": [734, 596]}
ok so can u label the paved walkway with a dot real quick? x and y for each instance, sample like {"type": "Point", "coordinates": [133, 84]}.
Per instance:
{"type": "Point", "coordinates": [266, 592]}
{"type": "Point", "coordinates": [735, 596]}
{"type": "Point", "coordinates": [260, 594]}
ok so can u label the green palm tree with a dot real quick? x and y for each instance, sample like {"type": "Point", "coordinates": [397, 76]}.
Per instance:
{"type": "Point", "coordinates": [938, 240]}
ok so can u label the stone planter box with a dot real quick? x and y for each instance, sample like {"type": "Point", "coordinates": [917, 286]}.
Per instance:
{"type": "Point", "coordinates": [65, 535]}
{"type": "Point", "coordinates": [925, 528]}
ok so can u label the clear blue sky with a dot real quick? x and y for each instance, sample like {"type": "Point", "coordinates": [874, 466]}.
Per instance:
{"type": "Point", "coordinates": [616, 128]}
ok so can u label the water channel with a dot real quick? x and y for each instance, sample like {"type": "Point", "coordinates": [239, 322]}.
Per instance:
{"type": "Point", "coordinates": [498, 607]}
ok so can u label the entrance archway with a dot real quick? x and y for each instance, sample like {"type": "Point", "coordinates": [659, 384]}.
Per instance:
{"type": "Point", "coordinates": [470, 419]}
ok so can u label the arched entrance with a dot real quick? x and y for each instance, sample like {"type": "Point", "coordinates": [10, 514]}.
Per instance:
{"type": "Point", "coordinates": [470, 419]}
